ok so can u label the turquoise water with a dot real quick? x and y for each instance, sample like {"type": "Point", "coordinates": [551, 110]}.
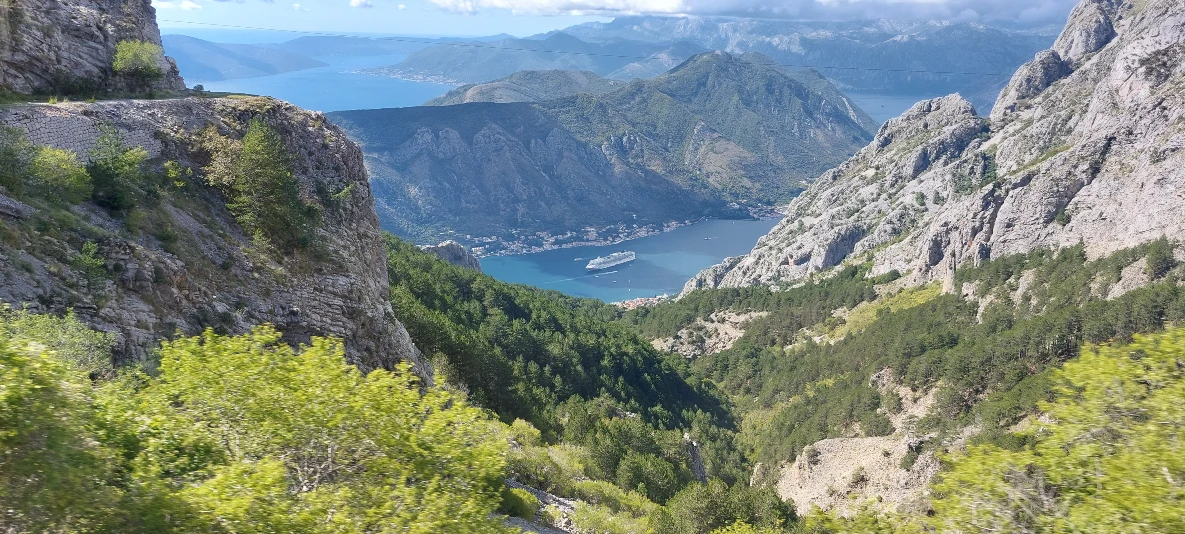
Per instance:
{"type": "Point", "coordinates": [336, 87]}
{"type": "Point", "coordinates": [665, 261]}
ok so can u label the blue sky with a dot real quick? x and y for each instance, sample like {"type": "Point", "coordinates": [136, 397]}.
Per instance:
{"type": "Point", "coordinates": [526, 17]}
{"type": "Point", "coordinates": [403, 17]}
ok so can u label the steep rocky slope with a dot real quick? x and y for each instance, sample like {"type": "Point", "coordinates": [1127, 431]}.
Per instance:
{"type": "Point", "coordinates": [529, 86]}
{"type": "Point", "coordinates": [716, 129]}
{"type": "Point", "coordinates": [67, 46]}
{"type": "Point", "coordinates": [180, 262]}
{"type": "Point", "coordinates": [1083, 146]}
{"type": "Point", "coordinates": [496, 169]}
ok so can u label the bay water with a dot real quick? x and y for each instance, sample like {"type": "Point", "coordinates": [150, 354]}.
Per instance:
{"type": "Point", "coordinates": [664, 262]}
{"type": "Point", "coordinates": [338, 86]}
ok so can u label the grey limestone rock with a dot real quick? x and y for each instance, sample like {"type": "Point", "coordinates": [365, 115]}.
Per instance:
{"type": "Point", "coordinates": [67, 46]}
{"type": "Point", "coordinates": [454, 253]}
{"type": "Point", "coordinates": [212, 276]}
{"type": "Point", "coordinates": [1095, 158]}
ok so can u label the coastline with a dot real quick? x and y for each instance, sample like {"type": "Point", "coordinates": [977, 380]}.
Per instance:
{"type": "Point", "coordinates": [595, 238]}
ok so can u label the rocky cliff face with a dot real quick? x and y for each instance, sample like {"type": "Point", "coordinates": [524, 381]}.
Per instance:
{"type": "Point", "coordinates": [181, 263]}
{"type": "Point", "coordinates": [456, 254]}
{"type": "Point", "coordinates": [57, 46]}
{"type": "Point", "coordinates": [1085, 145]}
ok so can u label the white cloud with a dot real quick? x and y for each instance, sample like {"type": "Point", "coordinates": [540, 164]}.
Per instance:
{"type": "Point", "coordinates": [1026, 11]}
{"type": "Point", "coordinates": [401, 7]}
{"type": "Point", "coordinates": [298, 7]}
{"type": "Point", "coordinates": [361, 3]}
{"type": "Point", "coordinates": [184, 5]}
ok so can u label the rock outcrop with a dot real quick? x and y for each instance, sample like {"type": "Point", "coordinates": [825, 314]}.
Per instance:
{"type": "Point", "coordinates": [454, 253]}
{"type": "Point", "coordinates": [1085, 146]}
{"type": "Point", "coordinates": [187, 264]}
{"type": "Point", "coordinates": [67, 47]}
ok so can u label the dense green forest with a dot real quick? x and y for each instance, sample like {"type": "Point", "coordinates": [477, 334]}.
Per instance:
{"type": "Point", "coordinates": [596, 406]}
{"type": "Point", "coordinates": [990, 354]}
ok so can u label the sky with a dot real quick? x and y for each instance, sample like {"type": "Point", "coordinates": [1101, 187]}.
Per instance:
{"type": "Point", "coordinates": [527, 17]}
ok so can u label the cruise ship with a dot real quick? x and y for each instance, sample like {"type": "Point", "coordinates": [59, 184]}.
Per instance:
{"type": "Point", "coordinates": [614, 259]}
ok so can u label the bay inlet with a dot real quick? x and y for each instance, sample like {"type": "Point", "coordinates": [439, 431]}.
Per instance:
{"type": "Point", "coordinates": [664, 261]}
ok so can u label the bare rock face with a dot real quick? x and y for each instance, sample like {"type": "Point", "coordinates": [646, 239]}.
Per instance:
{"type": "Point", "coordinates": [67, 46]}
{"type": "Point", "coordinates": [1093, 157]}
{"type": "Point", "coordinates": [1090, 27]}
{"type": "Point", "coordinates": [1032, 78]}
{"type": "Point", "coordinates": [192, 267]}
{"type": "Point", "coordinates": [454, 253]}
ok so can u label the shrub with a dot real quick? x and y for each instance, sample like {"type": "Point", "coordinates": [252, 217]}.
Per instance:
{"type": "Point", "coordinates": [58, 175]}
{"type": "Point", "coordinates": [519, 502]}
{"type": "Point", "coordinates": [139, 60]}
{"type": "Point", "coordinates": [616, 499]}
{"type": "Point", "coordinates": [1109, 457]}
{"type": "Point", "coordinates": [66, 337]}
{"type": "Point", "coordinates": [16, 153]}
{"type": "Point", "coordinates": [116, 170]}
{"type": "Point", "coordinates": [594, 519]}
{"type": "Point", "coordinates": [652, 476]}
{"type": "Point", "coordinates": [256, 174]}
{"type": "Point", "coordinates": [90, 263]}
{"type": "Point", "coordinates": [1160, 258]}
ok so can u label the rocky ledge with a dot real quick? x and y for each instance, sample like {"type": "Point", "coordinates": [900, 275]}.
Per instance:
{"type": "Point", "coordinates": [194, 268]}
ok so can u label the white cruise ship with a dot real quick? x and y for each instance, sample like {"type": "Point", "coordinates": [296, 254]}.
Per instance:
{"type": "Point", "coordinates": [614, 259]}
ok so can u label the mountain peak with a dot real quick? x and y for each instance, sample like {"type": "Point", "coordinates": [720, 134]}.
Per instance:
{"type": "Point", "coordinates": [1078, 151]}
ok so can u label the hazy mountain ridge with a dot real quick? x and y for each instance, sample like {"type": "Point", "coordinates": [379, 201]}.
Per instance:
{"type": "Point", "coordinates": [649, 153]}
{"type": "Point", "coordinates": [485, 61]}
{"type": "Point", "coordinates": [1084, 146]}
{"type": "Point", "coordinates": [867, 52]}
{"type": "Point", "coordinates": [529, 86]}
{"type": "Point", "coordinates": [205, 61]}
{"type": "Point", "coordinates": [748, 130]}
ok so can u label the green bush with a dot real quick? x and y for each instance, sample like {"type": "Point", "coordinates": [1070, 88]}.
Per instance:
{"type": "Point", "coordinates": [139, 60]}
{"type": "Point", "coordinates": [649, 475]}
{"type": "Point", "coordinates": [1160, 258]}
{"type": "Point", "coordinates": [66, 337]}
{"type": "Point", "coordinates": [256, 174]}
{"type": "Point", "coordinates": [1108, 459]}
{"type": "Point", "coordinates": [58, 175]}
{"type": "Point", "coordinates": [702, 508]}
{"type": "Point", "coordinates": [609, 495]}
{"type": "Point", "coordinates": [116, 170]}
{"type": "Point", "coordinates": [16, 153]}
{"type": "Point", "coordinates": [519, 503]}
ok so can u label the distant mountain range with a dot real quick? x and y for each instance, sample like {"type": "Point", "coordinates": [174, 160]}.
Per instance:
{"type": "Point", "coordinates": [883, 57]}
{"type": "Point", "coordinates": [717, 129]}
{"type": "Point", "coordinates": [200, 60]}
{"type": "Point", "coordinates": [529, 86]}
{"type": "Point", "coordinates": [204, 61]}
{"type": "Point", "coordinates": [481, 62]}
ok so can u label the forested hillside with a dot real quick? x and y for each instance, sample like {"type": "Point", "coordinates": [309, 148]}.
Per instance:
{"type": "Point", "coordinates": [712, 137]}
{"type": "Point", "coordinates": [847, 358]}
